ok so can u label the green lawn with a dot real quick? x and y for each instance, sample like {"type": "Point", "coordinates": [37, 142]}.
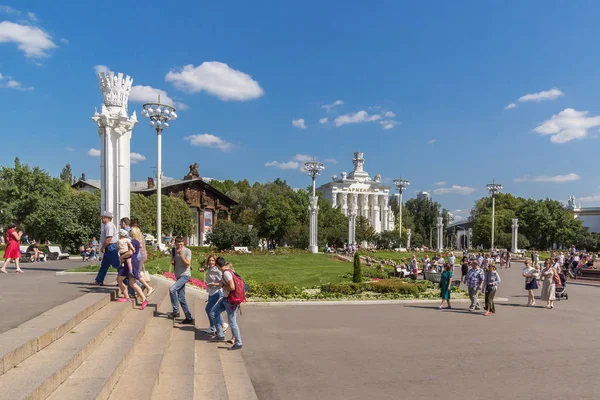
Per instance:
{"type": "Point", "coordinates": [302, 270]}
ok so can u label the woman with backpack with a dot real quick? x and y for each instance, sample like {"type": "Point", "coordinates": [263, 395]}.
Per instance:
{"type": "Point", "coordinates": [225, 304]}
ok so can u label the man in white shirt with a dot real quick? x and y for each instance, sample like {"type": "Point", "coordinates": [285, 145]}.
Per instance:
{"type": "Point", "coordinates": [108, 246]}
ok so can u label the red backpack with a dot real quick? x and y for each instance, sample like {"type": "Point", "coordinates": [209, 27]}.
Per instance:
{"type": "Point", "coordinates": [237, 296]}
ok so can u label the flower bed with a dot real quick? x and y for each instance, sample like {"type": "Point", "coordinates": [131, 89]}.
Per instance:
{"type": "Point", "coordinates": [192, 281]}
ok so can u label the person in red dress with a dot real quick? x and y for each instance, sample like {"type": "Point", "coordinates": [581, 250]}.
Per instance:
{"type": "Point", "coordinates": [13, 250]}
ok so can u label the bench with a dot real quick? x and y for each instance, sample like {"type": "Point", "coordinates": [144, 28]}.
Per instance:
{"type": "Point", "coordinates": [55, 253]}
{"type": "Point", "coordinates": [433, 277]}
{"type": "Point", "coordinates": [26, 256]}
{"type": "Point", "coordinates": [242, 249]}
{"type": "Point", "coordinates": [588, 273]}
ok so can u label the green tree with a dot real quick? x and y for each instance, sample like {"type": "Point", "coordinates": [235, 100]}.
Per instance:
{"type": "Point", "coordinates": [364, 230]}
{"type": "Point", "coordinates": [357, 273]}
{"type": "Point", "coordinates": [176, 214]}
{"type": "Point", "coordinates": [226, 234]}
{"type": "Point", "coordinates": [66, 175]}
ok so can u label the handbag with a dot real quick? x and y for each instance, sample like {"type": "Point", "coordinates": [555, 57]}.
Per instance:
{"type": "Point", "coordinates": [145, 275]}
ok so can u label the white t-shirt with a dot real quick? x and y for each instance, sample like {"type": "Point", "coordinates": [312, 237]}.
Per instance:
{"type": "Point", "coordinates": [451, 260]}
{"type": "Point", "coordinates": [227, 277]}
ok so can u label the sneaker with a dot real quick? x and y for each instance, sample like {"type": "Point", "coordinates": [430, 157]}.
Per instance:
{"type": "Point", "coordinates": [471, 308]}
{"type": "Point", "coordinates": [225, 327]}
{"type": "Point", "coordinates": [217, 339]}
{"type": "Point", "coordinates": [210, 330]}
{"type": "Point", "coordinates": [173, 315]}
{"type": "Point", "coordinates": [188, 321]}
{"type": "Point", "coordinates": [123, 300]}
{"type": "Point", "coordinates": [98, 283]}
{"type": "Point", "coordinates": [144, 304]}
{"type": "Point", "coordinates": [235, 347]}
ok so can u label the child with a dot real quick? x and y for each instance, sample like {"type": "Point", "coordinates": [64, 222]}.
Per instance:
{"type": "Point", "coordinates": [125, 248]}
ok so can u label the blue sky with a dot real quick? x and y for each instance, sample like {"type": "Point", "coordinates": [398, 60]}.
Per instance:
{"type": "Point", "coordinates": [422, 88]}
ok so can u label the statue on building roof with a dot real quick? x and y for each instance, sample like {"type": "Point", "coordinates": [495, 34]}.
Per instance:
{"type": "Point", "coordinates": [193, 172]}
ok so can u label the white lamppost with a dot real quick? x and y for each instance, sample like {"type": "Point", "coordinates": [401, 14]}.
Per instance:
{"type": "Point", "coordinates": [159, 115]}
{"type": "Point", "coordinates": [401, 184]}
{"type": "Point", "coordinates": [314, 169]}
{"type": "Point", "coordinates": [493, 188]}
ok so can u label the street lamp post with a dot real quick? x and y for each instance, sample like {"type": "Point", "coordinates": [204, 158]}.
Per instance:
{"type": "Point", "coordinates": [159, 115]}
{"type": "Point", "coordinates": [314, 169]}
{"type": "Point", "coordinates": [493, 188]}
{"type": "Point", "coordinates": [401, 184]}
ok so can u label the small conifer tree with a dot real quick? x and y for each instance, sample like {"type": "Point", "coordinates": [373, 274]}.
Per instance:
{"type": "Point", "coordinates": [357, 275]}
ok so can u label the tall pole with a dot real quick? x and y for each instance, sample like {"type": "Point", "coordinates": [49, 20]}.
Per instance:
{"type": "Point", "coordinates": [159, 185]}
{"type": "Point", "coordinates": [401, 184]}
{"type": "Point", "coordinates": [493, 188]}
{"type": "Point", "coordinates": [314, 169]}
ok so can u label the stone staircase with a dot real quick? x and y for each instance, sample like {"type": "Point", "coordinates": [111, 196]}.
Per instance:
{"type": "Point", "coordinates": [95, 348]}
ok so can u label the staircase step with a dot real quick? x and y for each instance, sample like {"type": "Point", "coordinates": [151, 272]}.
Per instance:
{"type": "Point", "coordinates": [176, 376]}
{"type": "Point", "coordinates": [39, 375]}
{"type": "Point", "coordinates": [144, 366]}
{"type": "Point", "coordinates": [97, 376]}
{"type": "Point", "coordinates": [239, 385]}
{"type": "Point", "coordinates": [209, 382]}
{"type": "Point", "coordinates": [20, 343]}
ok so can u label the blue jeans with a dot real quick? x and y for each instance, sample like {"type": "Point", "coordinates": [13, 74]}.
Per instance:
{"type": "Point", "coordinates": [177, 291]}
{"type": "Point", "coordinates": [109, 259]}
{"type": "Point", "coordinates": [224, 305]}
{"type": "Point", "coordinates": [212, 300]}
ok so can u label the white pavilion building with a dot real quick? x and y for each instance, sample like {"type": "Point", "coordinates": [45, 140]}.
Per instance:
{"type": "Point", "coordinates": [359, 195]}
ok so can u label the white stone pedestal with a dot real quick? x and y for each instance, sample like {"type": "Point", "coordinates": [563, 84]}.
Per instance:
{"type": "Point", "coordinates": [515, 235]}
{"type": "Point", "coordinates": [313, 209]}
{"type": "Point", "coordinates": [114, 128]}
{"type": "Point", "coordinates": [408, 235]}
{"type": "Point", "coordinates": [352, 226]}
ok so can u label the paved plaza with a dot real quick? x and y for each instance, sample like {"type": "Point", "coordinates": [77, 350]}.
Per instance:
{"type": "Point", "coordinates": [417, 351]}
{"type": "Point", "coordinates": [25, 296]}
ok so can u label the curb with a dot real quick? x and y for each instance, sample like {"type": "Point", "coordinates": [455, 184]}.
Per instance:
{"type": "Point", "coordinates": [196, 291]}
{"type": "Point", "coordinates": [353, 302]}
{"type": "Point", "coordinates": [59, 273]}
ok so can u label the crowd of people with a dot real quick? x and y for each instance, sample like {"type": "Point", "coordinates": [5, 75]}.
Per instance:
{"type": "Point", "coordinates": [125, 250]}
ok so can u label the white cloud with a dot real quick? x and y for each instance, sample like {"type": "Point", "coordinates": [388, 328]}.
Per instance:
{"type": "Point", "coordinates": [136, 158]}
{"type": "Point", "coordinates": [567, 125]}
{"type": "Point", "coordinates": [432, 141]}
{"type": "Point", "coordinates": [286, 165]}
{"type": "Point", "coordinates": [329, 107]}
{"type": "Point", "coordinates": [1, 77]}
{"type": "Point", "coordinates": [331, 160]}
{"type": "Point", "coordinates": [440, 183]}
{"type": "Point", "coordinates": [302, 158]}
{"type": "Point", "coordinates": [543, 178]}
{"type": "Point", "coordinates": [323, 120]}
{"type": "Point", "coordinates": [551, 94]}
{"type": "Point", "coordinates": [356, 118]}
{"type": "Point", "coordinates": [64, 41]}
{"type": "Point", "coordinates": [208, 140]}
{"type": "Point", "coordinates": [144, 94]}
{"type": "Point", "coordinates": [101, 68]}
{"type": "Point", "coordinates": [70, 149]}
{"type": "Point", "coordinates": [9, 10]}
{"type": "Point", "coordinates": [299, 123]}
{"type": "Point", "coordinates": [511, 105]}
{"type": "Point", "coordinates": [389, 114]}
{"type": "Point", "coordinates": [93, 152]}
{"type": "Point", "coordinates": [388, 124]}
{"type": "Point", "coordinates": [12, 84]}
{"type": "Point", "coordinates": [218, 79]}
{"type": "Point", "coordinates": [589, 199]}
{"type": "Point", "coordinates": [455, 189]}
{"type": "Point", "coordinates": [32, 17]}
{"type": "Point", "coordinates": [31, 40]}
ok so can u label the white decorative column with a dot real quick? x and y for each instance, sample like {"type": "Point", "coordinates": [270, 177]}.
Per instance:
{"type": "Point", "coordinates": [114, 128]}
{"type": "Point", "coordinates": [391, 220]}
{"type": "Point", "coordinates": [469, 234]}
{"type": "Point", "coordinates": [345, 203]}
{"type": "Point", "coordinates": [515, 235]}
{"type": "Point", "coordinates": [440, 225]}
{"type": "Point", "coordinates": [408, 235]}
{"type": "Point", "coordinates": [376, 217]}
{"type": "Point", "coordinates": [365, 206]}
{"type": "Point", "coordinates": [352, 226]}
{"type": "Point", "coordinates": [384, 219]}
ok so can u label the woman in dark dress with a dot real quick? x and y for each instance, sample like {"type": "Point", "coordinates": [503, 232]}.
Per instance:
{"type": "Point", "coordinates": [464, 268]}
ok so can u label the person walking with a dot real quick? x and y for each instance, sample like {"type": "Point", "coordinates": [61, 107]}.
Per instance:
{"type": "Point", "coordinates": [531, 276]}
{"type": "Point", "coordinates": [445, 286]}
{"type": "Point", "coordinates": [108, 247]}
{"type": "Point", "coordinates": [490, 284]}
{"type": "Point", "coordinates": [213, 287]}
{"type": "Point", "coordinates": [132, 272]}
{"type": "Point", "coordinates": [464, 268]}
{"type": "Point", "coordinates": [181, 260]}
{"type": "Point", "coordinates": [142, 256]}
{"type": "Point", "coordinates": [223, 304]}
{"type": "Point", "coordinates": [474, 280]}
{"type": "Point", "coordinates": [13, 249]}
{"type": "Point", "coordinates": [549, 285]}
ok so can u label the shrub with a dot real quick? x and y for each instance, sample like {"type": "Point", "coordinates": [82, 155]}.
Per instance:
{"type": "Point", "coordinates": [342, 288]}
{"type": "Point", "coordinates": [271, 289]}
{"type": "Point", "coordinates": [357, 276]}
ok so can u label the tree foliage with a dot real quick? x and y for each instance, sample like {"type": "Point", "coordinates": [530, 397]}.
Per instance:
{"type": "Point", "coordinates": [357, 273]}
{"type": "Point", "coordinates": [227, 234]}
{"type": "Point", "coordinates": [66, 175]}
{"type": "Point", "coordinates": [176, 215]}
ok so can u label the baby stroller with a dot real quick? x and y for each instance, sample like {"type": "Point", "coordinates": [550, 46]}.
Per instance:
{"type": "Point", "coordinates": [561, 290]}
